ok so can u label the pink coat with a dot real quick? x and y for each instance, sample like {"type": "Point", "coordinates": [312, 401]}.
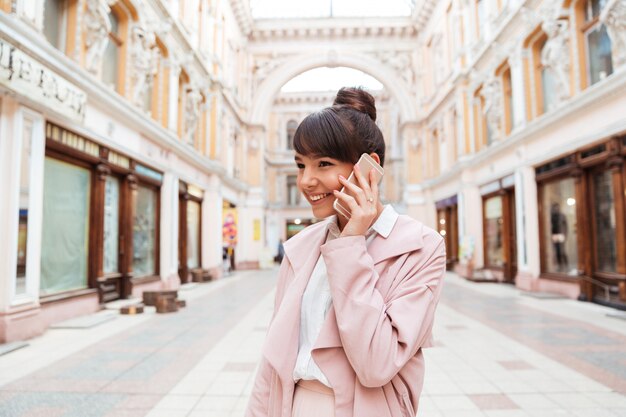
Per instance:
{"type": "Point", "coordinates": [370, 346]}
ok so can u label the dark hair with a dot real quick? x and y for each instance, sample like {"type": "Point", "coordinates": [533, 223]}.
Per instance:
{"type": "Point", "coordinates": [344, 130]}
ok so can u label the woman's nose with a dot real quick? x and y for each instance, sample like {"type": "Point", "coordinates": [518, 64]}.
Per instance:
{"type": "Point", "coordinates": [308, 179]}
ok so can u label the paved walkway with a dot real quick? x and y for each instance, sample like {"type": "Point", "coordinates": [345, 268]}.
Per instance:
{"type": "Point", "coordinates": [498, 354]}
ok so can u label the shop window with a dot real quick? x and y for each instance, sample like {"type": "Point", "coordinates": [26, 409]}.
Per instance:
{"type": "Point", "coordinates": [65, 227]}
{"type": "Point", "coordinates": [112, 55]}
{"type": "Point", "coordinates": [599, 63]}
{"type": "Point", "coordinates": [24, 206]}
{"type": "Point", "coordinates": [55, 22]}
{"type": "Point", "coordinates": [145, 231]}
{"type": "Point", "coordinates": [293, 194]}
{"type": "Point", "coordinates": [604, 221]}
{"type": "Point", "coordinates": [193, 234]}
{"type": "Point", "coordinates": [292, 126]}
{"type": "Point", "coordinates": [493, 224]}
{"type": "Point", "coordinates": [111, 225]}
{"type": "Point", "coordinates": [559, 227]}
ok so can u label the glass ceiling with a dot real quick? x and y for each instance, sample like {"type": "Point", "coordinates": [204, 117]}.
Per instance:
{"type": "Point", "coordinates": [273, 9]}
{"type": "Point", "coordinates": [330, 79]}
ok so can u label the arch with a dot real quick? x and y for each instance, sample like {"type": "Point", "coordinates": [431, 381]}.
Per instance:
{"type": "Point", "coordinates": [298, 64]}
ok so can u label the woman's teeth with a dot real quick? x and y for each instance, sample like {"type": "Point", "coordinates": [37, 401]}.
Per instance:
{"type": "Point", "coordinates": [319, 197]}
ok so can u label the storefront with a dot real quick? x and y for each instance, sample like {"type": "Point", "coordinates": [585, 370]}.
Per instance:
{"type": "Point", "coordinates": [448, 228]}
{"type": "Point", "coordinates": [499, 229]}
{"type": "Point", "coordinates": [189, 226]}
{"type": "Point", "coordinates": [295, 226]}
{"type": "Point", "coordinates": [582, 221]}
{"type": "Point", "coordinates": [100, 220]}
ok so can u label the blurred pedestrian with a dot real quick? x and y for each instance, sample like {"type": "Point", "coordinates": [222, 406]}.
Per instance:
{"type": "Point", "coordinates": [356, 297]}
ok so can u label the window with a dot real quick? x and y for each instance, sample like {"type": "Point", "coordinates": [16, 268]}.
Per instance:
{"type": "Point", "coordinates": [480, 121]}
{"type": "Point", "coordinates": [559, 227]}
{"type": "Point", "coordinates": [293, 194]}
{"type": "Point", "coordinates": [605, 221]}
{"type": "Point", "coordinates": [145, 231]}
{"type": "Point", "coordinates": [55, 22]}
{"type": "Point", "coordinates": [65, 227]}
{"type": "Point", "coordinates": [193, 234]}
{"type": "Point", "coordinates": [292, 126]}
{"type": "Point", "coordinates": [507, 91]}
{"type": "Point", "coordinates": [112, 54]}
{"type": "Point", "coordinates": [160, 83]}
{"type": "Point", "coordinates": [494, 233]}
{"type": "Point", "coordinates": [597, 43]}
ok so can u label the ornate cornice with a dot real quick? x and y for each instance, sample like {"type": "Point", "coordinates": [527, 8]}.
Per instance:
{"type": "Point", "coordinates": [337, 28]}
{"type": "Point", "coordinates": [241, 10]}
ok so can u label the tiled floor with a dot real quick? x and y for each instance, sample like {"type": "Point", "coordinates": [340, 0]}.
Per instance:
{"type": "Point", "coordinates": [497, 354]}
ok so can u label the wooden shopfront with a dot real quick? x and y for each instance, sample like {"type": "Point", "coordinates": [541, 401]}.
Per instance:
{"type": "Point", "coordinates": [499, 229]}
{"type": "Point", "coordinates": [448, 228]}
{"type": "Point", "coordinates": [189, 236]}
{"type": "Point", "coordinates": [582, 221]}
{"type": "Point", "coordinates": [100, 221]}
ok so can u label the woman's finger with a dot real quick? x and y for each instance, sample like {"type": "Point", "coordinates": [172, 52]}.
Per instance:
{"type": "Point", "coordinates": [348, 199]}
{"type": "Point", "coordinates": [358, 192]}
{"type": "Point", "coordinates": [362, 180]}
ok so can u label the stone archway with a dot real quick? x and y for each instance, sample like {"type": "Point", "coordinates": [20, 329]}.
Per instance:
{"type": "Point", "coordinates": [297, 64]}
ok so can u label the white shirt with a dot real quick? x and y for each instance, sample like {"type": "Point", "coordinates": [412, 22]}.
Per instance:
{"type": "Point", "coordinates": [316, 300]}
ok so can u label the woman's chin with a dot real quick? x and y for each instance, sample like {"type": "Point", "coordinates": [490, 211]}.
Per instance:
{"type": "Point", "coordinates": [323, 211]}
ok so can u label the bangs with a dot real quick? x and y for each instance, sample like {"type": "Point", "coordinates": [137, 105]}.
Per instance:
{"type": "Point", "coordinates": [323, 134]}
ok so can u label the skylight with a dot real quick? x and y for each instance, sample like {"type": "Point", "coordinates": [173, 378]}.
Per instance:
{"type": "Point", "coordinates": [272, 9]}
{"type": "Point", "coordinates": [331, 79]}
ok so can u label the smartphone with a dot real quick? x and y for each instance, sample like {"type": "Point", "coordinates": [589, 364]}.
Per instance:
{"type": "Point", "coordinates": [365, 163]}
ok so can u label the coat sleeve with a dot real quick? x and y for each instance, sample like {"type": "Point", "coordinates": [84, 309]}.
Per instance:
{"type": "Point", "coordinates": [259, 403]}
{"type": "Point", "coordinates": [380, 337]}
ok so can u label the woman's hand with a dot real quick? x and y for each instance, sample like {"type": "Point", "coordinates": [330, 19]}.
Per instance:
{"type": "Point", "coordinates": [363, 202]}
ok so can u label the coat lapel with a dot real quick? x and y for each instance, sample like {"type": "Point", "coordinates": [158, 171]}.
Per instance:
{"type": "Point", "coordinates": [281, 345]}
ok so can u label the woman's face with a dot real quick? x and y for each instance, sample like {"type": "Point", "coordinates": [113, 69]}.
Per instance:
{"type": "Point", "coordinates": [317, 178]}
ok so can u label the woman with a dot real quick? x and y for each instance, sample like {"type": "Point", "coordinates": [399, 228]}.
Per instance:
{"type": "Point", "coordinates": [355, 298]}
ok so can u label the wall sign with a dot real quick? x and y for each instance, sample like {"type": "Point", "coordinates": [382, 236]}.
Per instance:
{"type": "Point", "coordinates": [24, 75]}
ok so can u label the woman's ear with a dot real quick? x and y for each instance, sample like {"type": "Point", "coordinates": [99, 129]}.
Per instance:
{"type": "Point", "coordinates": [375, 157]}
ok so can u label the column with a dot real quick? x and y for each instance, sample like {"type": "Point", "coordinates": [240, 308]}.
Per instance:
{"type": "Point", "coordinates": [471, 223]}
{"type": "Point", "coordinates": [212, 228]}
{"type": "Point", "coordinates": [174, 73]}
{"type": "Point", "coordinates": [250, 245]}
{"type": "Point", "coordinates": [516, 62]}
{"type": "Point", "coordinates": [169, 230]}
{"type": "Point", "coordinates": [527, 212]}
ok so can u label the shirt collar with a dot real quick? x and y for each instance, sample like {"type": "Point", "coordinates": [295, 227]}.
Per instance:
{"type": "Point", "coordinates": [383, 224]}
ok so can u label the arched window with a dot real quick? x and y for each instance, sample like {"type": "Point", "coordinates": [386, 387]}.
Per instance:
{"type": "Point", "coordinates": [595, 40]}
{"type": "Point", "coordinates": [292, 125]}
{"type": "Point", "coordinates": [55, 22]}
{"type": "Point", "coordinates": [480, 121]}
{"type": "Point", "coordinates": [112, 54]}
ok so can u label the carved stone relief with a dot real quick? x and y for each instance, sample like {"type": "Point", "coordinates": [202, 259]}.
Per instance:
{"type": "Point", "coordinates": [555, 55]}
{"type": "Point", "coordinates": [144, 62]}
{"type": "Point", "coordinates": [97, 28]}
{"type": "Point", "coordinates": [614, 17]}
{"type": "Point", "coordinates": [493, 109]}
{"type": "Point", "coordinates": [193, 98]}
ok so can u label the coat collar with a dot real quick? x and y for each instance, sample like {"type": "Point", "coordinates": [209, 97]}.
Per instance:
{"type": "Point", "coordinates": [399, 239]}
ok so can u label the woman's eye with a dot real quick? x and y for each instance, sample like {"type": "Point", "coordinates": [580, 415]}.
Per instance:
{"type": "Point", "coordinates": [325, 164]}
{"type": "Point", "coordinates": [300, 166]}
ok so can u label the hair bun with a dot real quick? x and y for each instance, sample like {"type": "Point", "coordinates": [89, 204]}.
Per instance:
{"type": "Point", "coordinates": [357, 99]}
